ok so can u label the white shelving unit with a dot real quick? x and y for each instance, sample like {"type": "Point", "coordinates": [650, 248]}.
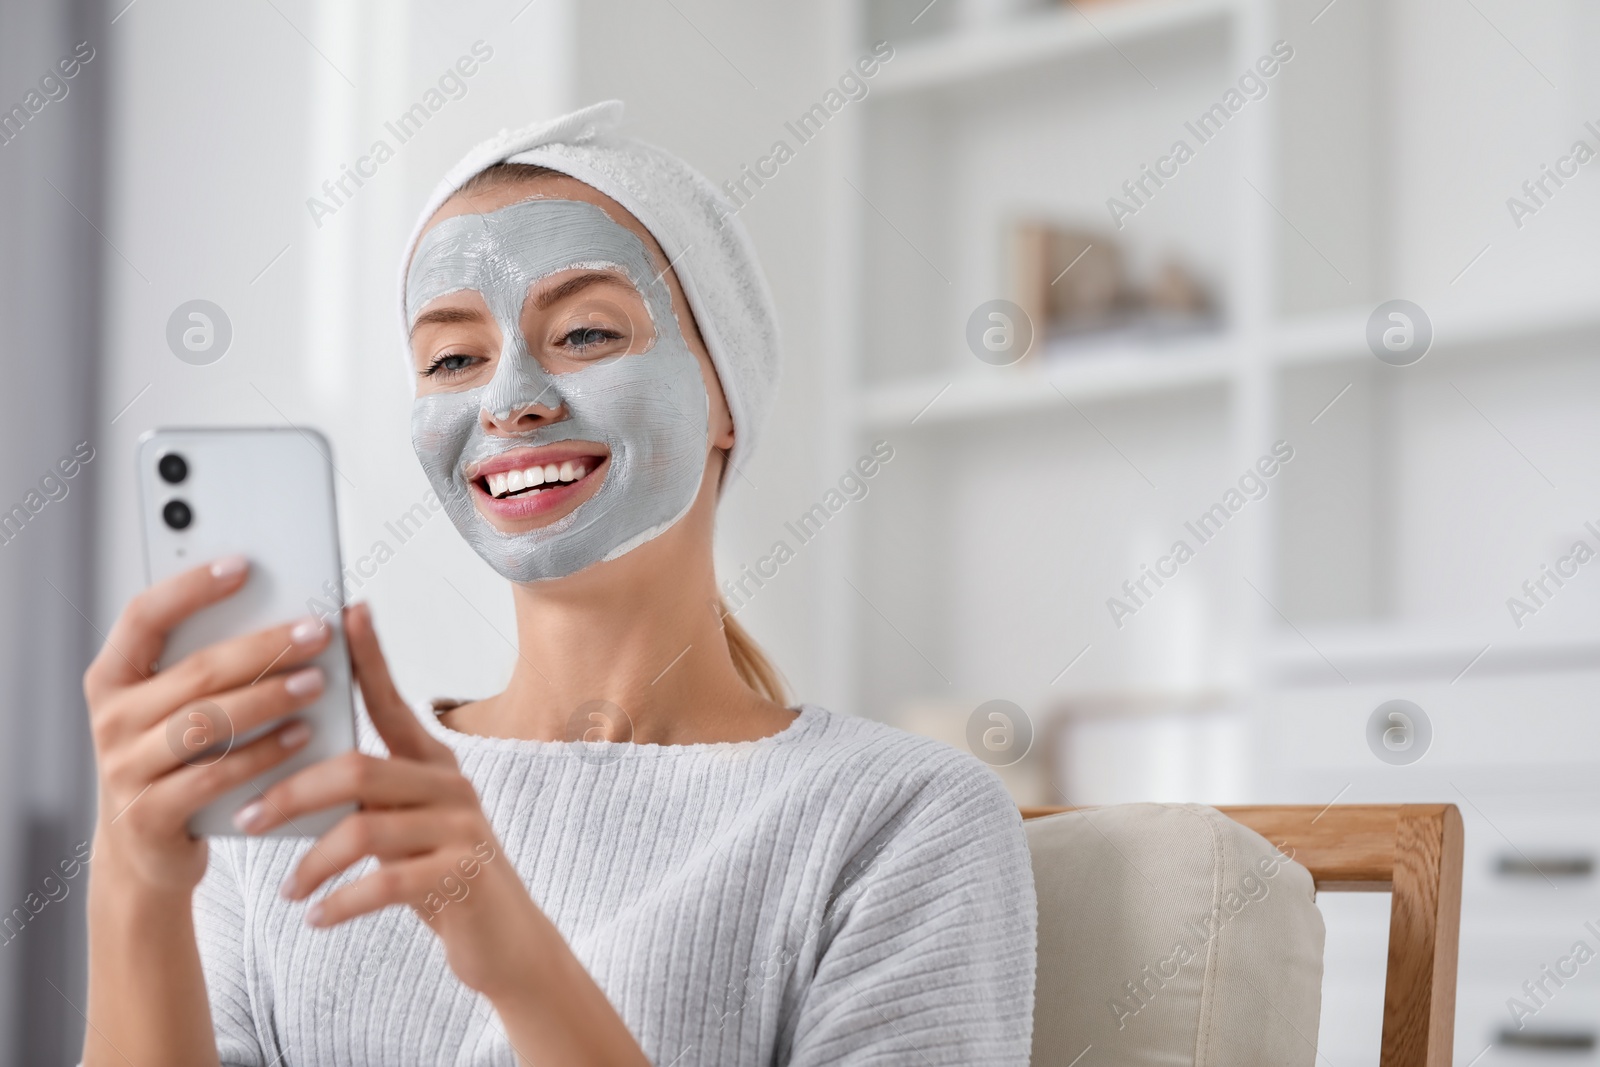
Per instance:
{"type": "Point", "coordinates": [1377, 564]}
{"type": "Point", "coordinates": [1104, 373]}
{"type": "Point", "coordinates": [964, 131]}
{"type": "Point", "coordinates": [1342, 334]}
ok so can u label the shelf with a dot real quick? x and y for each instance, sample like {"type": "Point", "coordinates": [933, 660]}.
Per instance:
{"type": "Point", "coordinates": [1341, 335]}
{"type": "Point", "coordinates": [1105, 371]}
{"type": "Point", "coordinates": [1120, 368]}
{"type": "Point", "coordinates": [1388, 652]}
{"type": "Point", "coordinates": [1026, 41]}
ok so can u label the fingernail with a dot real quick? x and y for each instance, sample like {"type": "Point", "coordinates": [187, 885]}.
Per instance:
{"type": "Point", "coordinates": [229, 567]}
{"type": "Point", "coordinates": [286, 890]}
{"type": "Point", "coordinates": [249, 816]}
{"type": "Point", "coordinates": [314, 914]}
{"type": "Point", "coordinates": [304, 683]}
{"type": "Point", "coordinates": [307, 631]}
{"type": "Point", "coordinates": [295, 734]}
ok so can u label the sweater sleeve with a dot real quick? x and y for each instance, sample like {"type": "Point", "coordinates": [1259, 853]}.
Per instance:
{"type": "Point", "coordinates": [930, 948]}
{"type": "Point", "coordinates": [221, 928]}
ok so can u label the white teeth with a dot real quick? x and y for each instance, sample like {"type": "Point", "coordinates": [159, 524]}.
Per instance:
{"type": "Point", "coordinates": [508, 482]}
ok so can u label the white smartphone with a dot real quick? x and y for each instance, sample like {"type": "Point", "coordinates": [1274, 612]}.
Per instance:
{"type": "Point", "coordinates": [267, 494]}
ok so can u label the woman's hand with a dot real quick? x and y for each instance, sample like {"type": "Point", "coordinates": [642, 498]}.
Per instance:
{"type": "Point", "coordinates": [147, 725]}
{"type": "Point", "coordinates": [436, 851]}
{"type": "Point", "coordinates": [422, 821]}
{"type": "Point", "coordinates": [147, 993]}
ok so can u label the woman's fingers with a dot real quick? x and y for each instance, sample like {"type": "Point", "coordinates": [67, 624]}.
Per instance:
{"type": "Point", "coordinates": [387, 835]}
{"type": "Point", "coordinates": [165, 806]}
{"type": "Point", "coordinates": [204, 731]}
{"type": "Point", "coordinates": [355, 777]}
{"type": "Point", "coordinates": [235, 663]}
{"type": "Point", "coordinates": [140, 632]}
{"type": "Point", "coordinates": [399, 882]}
{"type": "Point", "coordinates": [395, 722]}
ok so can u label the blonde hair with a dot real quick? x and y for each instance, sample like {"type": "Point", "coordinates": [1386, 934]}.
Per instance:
{"type": "Point", "coordinates": [749, 660]}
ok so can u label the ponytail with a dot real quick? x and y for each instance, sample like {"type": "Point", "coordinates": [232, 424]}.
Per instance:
{"type": "Point", "coordinates": [748, 659]}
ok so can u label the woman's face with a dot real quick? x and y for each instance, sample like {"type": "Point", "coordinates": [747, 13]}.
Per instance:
{"type": "Point", "coordinates": [566, 405]}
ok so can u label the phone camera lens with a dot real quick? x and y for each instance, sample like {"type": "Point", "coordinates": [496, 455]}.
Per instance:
{"type": "Point", "coordinates": [173, 468]}
{"type": "Point", "coordinates": [177, 514]}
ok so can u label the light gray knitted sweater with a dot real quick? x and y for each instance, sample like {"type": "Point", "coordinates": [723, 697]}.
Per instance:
{"type": "Point", "coordinates": [839, 892]}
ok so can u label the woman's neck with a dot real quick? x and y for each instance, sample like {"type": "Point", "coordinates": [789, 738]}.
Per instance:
{"type": "Point", "coordinates": [632, 649]}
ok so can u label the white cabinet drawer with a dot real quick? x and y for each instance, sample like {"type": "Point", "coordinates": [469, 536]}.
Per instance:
{"type": "Point", "coordinates": [1565, 1031]}
{"type": "Point", "coordinates": [1528, 854]}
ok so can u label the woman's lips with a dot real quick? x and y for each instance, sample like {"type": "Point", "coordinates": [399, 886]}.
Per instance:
{"type": "Point", "coordinates": [533, 483]}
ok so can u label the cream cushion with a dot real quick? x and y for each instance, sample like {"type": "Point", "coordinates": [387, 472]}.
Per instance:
{"type": "Point", "coordinates": [1170, 934]}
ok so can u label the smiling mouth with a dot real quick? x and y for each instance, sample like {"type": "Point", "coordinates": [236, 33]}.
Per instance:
{"type": "Point", "coordinates": [529, 479]}
{"type": "Point", "coordinates": [533, 480]}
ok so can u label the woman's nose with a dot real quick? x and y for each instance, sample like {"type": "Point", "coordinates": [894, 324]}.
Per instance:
{"type": "Point", "coordinates": [523, 417]}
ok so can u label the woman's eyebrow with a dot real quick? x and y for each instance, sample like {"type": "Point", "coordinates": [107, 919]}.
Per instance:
{"type": "Point", "coordinates": [445, 316]}
{"type": "Point", "coordinates": [542, 301]}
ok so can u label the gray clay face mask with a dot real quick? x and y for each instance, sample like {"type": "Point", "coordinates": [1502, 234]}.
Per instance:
{"type": "Point", "coordinates": [649, 408]}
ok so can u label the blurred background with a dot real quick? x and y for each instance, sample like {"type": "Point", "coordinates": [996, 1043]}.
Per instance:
{"type": "Point", "coordinates": [1305, 287]}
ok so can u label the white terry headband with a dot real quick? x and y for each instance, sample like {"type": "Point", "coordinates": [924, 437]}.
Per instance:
{"type": "Point", "coordinates": [703, 240]}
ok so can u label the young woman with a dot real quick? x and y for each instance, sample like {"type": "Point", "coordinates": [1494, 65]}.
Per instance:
{"type": "Point", "coordinates": [636, 852]}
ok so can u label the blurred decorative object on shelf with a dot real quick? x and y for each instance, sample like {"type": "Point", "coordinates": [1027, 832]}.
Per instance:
{"type": "Point", "coordinates": [1068, 281]}
{"type": "Point", "coordinates": [1176, 291]}
{"type": "Point", "coordinates": [1073, 284]}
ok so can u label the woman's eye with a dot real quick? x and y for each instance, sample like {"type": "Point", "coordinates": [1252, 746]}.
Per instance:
{"type": "Point", "coordinates": [448, 364]}
{"type": "Point", "coordinates": [586, 337]}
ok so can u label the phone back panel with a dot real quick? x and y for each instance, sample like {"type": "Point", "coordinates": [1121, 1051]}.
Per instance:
{"type": "Point", "coordinates": [268, 494]}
